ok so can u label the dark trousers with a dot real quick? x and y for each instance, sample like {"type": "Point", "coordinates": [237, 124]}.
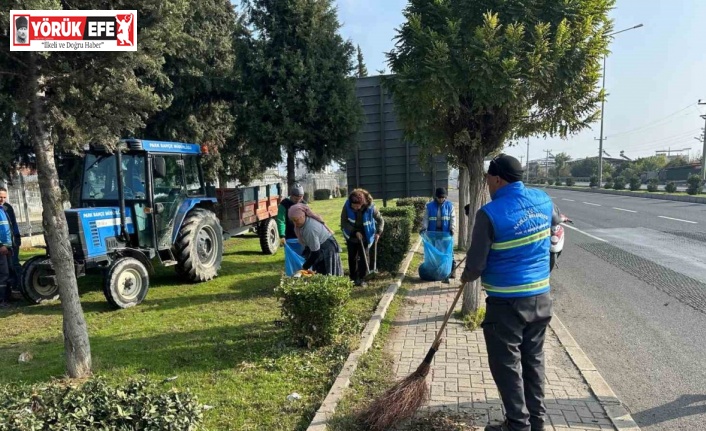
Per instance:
{"type": "Point", "coordinates": [514, 330]}
{"type": "Point", "coordinates": [4, 277]}
{"type": "Point", "coordinates": [356, 260]}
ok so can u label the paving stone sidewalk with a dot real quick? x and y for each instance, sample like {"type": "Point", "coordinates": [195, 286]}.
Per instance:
{"type": "Point", "coordinates": [460, 381]}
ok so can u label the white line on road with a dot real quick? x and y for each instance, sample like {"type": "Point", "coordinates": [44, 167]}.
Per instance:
{"type": "Point", "coordinates": [589, 203]}
{"type": "Point", "coordinates": [623, 209]}
{"type": "Point", "coordinates": [678, 219]}
{"type": "Point", "coordinates": [568, 200]}
{"type": "Point", "coordinates": [585, 233]}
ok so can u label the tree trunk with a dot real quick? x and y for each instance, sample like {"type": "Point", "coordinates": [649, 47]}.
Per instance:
{"type": "Point", "coordinates": [56, 232]}
{"type": "Point", "coordinates": [291, 168]}
{"type": "Point", "coordinates": [464, 231]}
{"type": "Point", "coordinates": [478, 197]}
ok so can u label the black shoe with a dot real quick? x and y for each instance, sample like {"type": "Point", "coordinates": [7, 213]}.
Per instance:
{"type": "Point", "coordinates": [5, 304]}
{"type": "Point", "coordinates": [500, 427]}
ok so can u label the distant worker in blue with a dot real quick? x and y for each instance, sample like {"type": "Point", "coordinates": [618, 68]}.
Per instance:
{"type": "Point", "coordinates": [6, 251]}
{"type": "Point", "coordinates": [510, 253]}
{"type": "Point", "coordinates": [440, 217]}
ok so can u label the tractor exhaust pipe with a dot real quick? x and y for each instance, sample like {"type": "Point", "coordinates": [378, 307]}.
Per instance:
{"type": "Point", "coordinates": [121, 196]}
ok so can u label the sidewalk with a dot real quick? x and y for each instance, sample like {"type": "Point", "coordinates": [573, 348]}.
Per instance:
{"type": "Point", "coordinates": [460, 380]}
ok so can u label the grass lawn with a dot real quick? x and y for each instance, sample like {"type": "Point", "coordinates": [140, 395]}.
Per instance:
{"type": "Point", "coordinates": [219, 338]}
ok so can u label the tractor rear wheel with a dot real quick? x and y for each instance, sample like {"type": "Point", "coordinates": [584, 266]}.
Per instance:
{"type": "Point", "coordinates": [199, 246]}
{"type": "Point", "coordinates": [126, 283]}
{"type": "Point", "coordinates": [33, 289]}
{"type": "Point", "coordinates": [269, 236]}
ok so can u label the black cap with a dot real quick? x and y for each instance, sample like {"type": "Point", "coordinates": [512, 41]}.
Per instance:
{"type": "Point", "coordinates": [506, 167]}
{"type": "Point", "coordinates": [440, 192]}
{"type": "Point", "coordinates": [21, 22]}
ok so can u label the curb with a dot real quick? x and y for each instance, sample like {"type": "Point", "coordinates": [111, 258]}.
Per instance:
{"type": "Point", "coordinates": [335, 394]}
{"type": "Point", "coordinates": [690, 199]}
{"type": "Point", "coordinates": [619, 416]}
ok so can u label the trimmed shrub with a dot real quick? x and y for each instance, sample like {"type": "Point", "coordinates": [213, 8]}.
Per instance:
{"type": "Point", "coordinates": [570, 182]}
{"type": "Point", "coordinates": [420, 205]}
{"type": "Point", "coordinates": [404, 211]}
{"type": "Point", "coordinates": [314, 307]}
{"type": "Point", "coordinates": [593, 182]}
{"type": "Point", "coordinates": [394, 243]}
{"type": "Point", "coordinates": [608, 183]}
{"type": "Point", "coordinates": [695, 185]}
{"type": "Point", "coordinates": [619, 183]}
{"type": "Point", "coordinates": [671, 187]}
{"type": "Point", "coordinates": [343, 191]}
{"type": "Point", "coordinates": [96, 405]}
{"type": "Point", "coordinates": [635, 183]}
{"type": "Point", "coordinates": [558, 182]}
{"type": "Point", "coordinates": [652, 185]}
{"type": "Point", "coordinates": [322, 194]}
{"type": "Point", "coordinates": [541, 181]}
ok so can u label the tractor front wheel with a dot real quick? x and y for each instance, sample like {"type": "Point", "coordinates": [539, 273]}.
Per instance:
{"type": "Point", "coordinates": [33, 287]}
{"type": "Point", "coordinates": [199, 246]}
{"type": "Point", "coordinates": [269, 236]}
{"type": "Point", "coordinates": [126, 283]}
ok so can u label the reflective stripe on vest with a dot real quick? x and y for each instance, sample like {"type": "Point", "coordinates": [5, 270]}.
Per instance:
{"type": "Point", "coordinates": [523, 288]}
{"type": "Point", "coordinates": [521, 241]}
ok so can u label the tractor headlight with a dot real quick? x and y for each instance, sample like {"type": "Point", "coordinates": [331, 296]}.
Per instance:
{"type": "Point", "coordinates": [73, 238]}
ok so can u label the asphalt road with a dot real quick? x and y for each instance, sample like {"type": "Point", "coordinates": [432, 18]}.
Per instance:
{"type": "Point", "coordinates": [631, 288]}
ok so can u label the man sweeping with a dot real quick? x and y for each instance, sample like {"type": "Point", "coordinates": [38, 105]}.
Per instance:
{"type": "Point", "coordinates": [510, 253]}
{"type": "Point", "coordinates": [440, 217]}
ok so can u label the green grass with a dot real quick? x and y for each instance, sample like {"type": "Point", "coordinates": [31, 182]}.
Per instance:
{"type": "Point", "coordinates": [219, 338]}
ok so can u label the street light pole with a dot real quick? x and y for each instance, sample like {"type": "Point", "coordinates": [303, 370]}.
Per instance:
{"type": "Point", "coordinates": [600, 144]}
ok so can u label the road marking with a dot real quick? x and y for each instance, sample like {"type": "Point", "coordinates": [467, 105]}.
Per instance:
{"type": "Point", "coordinates": [678, 219]}
{"type": "Point", "coordinates": [585, 233]}
{"type": "Point", "coordinates": [589, 203]}
{"type": "Point", "coordinates": [623, 209]}
{"type": "Point", "coordinates": [568, 200]}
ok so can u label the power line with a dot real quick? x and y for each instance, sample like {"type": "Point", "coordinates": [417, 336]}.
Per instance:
{"type": "Point", "coordinates": [663, 141]}
{"type": "Point", "coordinates": [652, 123]}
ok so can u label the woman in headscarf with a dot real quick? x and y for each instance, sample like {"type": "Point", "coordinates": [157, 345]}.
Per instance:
{"type": "Point", "coordinates": [322, 252]}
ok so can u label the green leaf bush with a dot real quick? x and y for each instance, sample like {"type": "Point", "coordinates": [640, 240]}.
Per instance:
{"type": "Point", "coordinates": [420, 205]}
{"type": "Point", "coordinates": [97, 405]}
{"type": "Point", "coordinates": [652, 185]}
{"type": "Point", "coordinates": [695, 185]}
{"type": "Point", "coordinates": [394, 243]}
{"type": "Point", "coordinates": [322, 194]}
{"type": "Point", "coordinates": [671, 187]}
{"type": "Point", "coordinates": [313, 308]}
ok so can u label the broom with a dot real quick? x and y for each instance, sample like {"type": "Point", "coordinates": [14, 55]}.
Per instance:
{"type": "Point", "coordinates": [403, 399]}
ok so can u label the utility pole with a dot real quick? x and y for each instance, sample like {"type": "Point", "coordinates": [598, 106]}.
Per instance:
{"type": "Point", "coordinates": [546, 163]}
{"type": "Point", "coordinates": [703, 151]}
{"type": "Point", "coordinates": [528, 167]}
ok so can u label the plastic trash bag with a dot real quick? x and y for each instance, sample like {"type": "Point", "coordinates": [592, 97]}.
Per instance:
{"type": "Point", "coordinates": [293, 259]}
{"type": "Point", "coordinates": [438, 256]}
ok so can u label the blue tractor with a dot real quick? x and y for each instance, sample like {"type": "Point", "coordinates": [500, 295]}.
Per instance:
{"type": "Point", "coordinates": [141, 202]}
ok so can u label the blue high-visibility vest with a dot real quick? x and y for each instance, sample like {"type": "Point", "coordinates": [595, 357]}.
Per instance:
{"type": "Point", "coordinates": [518, 262]}
{"type": "Point", "coordinates": [447, 209]}
{"type": "Point", "coordinates": [368, 222]}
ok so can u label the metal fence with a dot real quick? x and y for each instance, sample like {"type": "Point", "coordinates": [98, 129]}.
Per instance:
{"type": "Point", "coordinates": [23, 194]}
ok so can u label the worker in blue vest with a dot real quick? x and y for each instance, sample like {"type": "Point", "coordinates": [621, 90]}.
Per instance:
{"type": "Point", "coordinates": [362, 225]}
{"type": "Point", "coordinates": [6, 249]}
{"type": "Point", "coordinates": [510, 253]}
{"type": "Point", "coordinates": [440, 217]}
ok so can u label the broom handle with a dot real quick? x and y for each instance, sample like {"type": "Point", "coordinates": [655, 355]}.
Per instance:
{"type": "Point", "coordinates": [448, 313]}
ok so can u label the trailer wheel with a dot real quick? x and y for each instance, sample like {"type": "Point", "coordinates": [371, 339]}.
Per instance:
{"type": "Point", "coordinates": [199, 246]}
{"type": "Point", "coordinates": [32, 288]}
{"type": "Point", "coordinates": [126, 283]}
{"type": "Point", "coordinates": [269, 236]}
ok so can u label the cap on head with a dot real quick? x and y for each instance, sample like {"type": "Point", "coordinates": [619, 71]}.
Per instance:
{"type": "Point", "coordinates": [506, 167]}
{"type": "Point", "coordinates": [21, 22]}
{"type": "Point", "coordinates": [296, 190]}
{"type": "Point", "coordinates": [440, 192]}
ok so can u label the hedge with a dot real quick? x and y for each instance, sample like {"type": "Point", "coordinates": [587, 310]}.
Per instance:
{"type": "Point", "coordinates": [420, 205]}
{"type": "Point", "coordinates": [314, 307]}
{"type": "Point", "coordinates": [394, 243]}
{"type": "Point", "coordinates": [96, 405]}
{"type": "Point", "coordinates": [322, 194]}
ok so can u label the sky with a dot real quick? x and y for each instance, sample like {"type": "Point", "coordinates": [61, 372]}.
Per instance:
{"type": "Point", "coordinates": [655, 75]}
